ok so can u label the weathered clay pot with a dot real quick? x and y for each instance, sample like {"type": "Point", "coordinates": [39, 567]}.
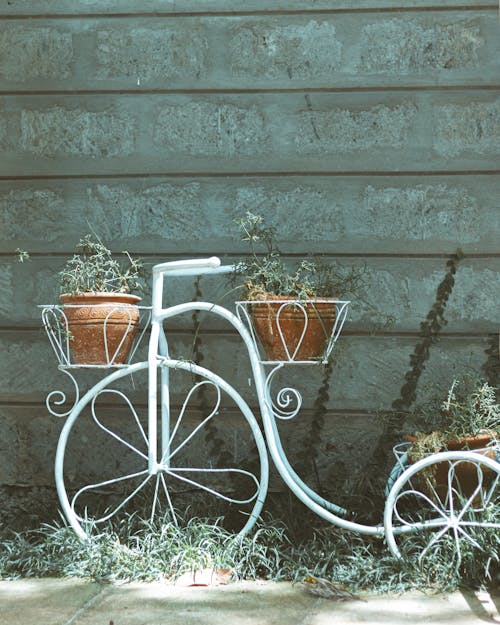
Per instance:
{"type": "Point", "coordinates": [271, 317]}
{"type": "Point", "coordinates": [97, 320]}
{"type": "Point", "coordinates": [465, 481]}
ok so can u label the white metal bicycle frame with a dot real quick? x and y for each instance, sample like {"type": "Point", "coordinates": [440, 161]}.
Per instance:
{"type": "Point", "coordinates": [158, 345]}
{"type": "Point", "coordinates": [270, 410]}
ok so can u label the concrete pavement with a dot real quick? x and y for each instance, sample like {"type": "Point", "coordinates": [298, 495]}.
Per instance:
{"type": "Point", "coordinates": [77, 602]}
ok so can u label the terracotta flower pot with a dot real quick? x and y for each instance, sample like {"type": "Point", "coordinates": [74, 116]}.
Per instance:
{"type": "Point", "coordinates": [465, 480]}
{"type": "Point", "coordinates": [100, 320]}
{"type": "Point", "coordinates": [290, 332]}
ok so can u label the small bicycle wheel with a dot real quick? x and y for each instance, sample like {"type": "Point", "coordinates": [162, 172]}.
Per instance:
{"type": "Point", "coordinates": [447, 504]}
{"type": "Point", "coordinates": [209, 462]}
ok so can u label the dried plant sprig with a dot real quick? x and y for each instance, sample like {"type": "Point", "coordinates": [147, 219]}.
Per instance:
{"type": "Point", "coordinates": [22, 255]}
{"type": "Point", "coordinates": [264, 271]}
{"type": "Point", "coordinates": [470, 409]}
{"type": "Point", "coordinates": [94, 270]}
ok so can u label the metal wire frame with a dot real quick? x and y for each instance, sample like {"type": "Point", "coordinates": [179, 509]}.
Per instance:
{"type": "Point", "coordinates": [56, 326]}
{"type": "Point", "coordinates": [244, 308]}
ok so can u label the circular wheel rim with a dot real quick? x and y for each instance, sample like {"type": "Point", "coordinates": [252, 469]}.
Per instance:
{"type": "Point", "coordinates": [164, 469]}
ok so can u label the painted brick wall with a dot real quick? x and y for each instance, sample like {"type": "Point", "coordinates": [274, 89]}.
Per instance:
{"type": "Point", "coordinates": [366, 130]}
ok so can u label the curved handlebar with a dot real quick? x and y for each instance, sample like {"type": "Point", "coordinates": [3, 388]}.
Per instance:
{"type": "Point", "coordinates": [192, 267]}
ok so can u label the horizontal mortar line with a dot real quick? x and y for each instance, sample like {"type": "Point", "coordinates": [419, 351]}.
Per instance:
{"type": "Point", "coordinates": [222, 332]}
{"type": "Point", "coordinates": [243, 13]}
{"type": "Point", "coordinates": [401, 255]}
{"type": "Point", "coordinates": [225, 409]}
{"type": "Point", "coordinates": [256, 174]}
{"type": "Point", "coordinates": [228, 257]}
{"type": "Point", "coordinates": [261, 90]}
{"type": "Point", "coordinates": [375, 334]}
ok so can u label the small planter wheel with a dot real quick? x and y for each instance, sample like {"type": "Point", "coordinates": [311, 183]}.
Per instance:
{"type": "Point", "coordinates": [424, 517]}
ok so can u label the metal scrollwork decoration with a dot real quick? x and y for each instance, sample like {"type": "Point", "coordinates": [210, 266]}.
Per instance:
{"type": "Point", "coordinates": [288, 400]}
{"type": "Point", "coordinates": [59, 398]}
{"type": "Point", "coordinates": [56, 326]}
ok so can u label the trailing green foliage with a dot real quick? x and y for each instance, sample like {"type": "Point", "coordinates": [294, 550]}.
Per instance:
{"type": "Point", "coordinates": [144, 551]}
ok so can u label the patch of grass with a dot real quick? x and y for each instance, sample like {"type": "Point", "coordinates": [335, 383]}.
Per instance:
{"type": "Point", "coordinates": [144, 551]}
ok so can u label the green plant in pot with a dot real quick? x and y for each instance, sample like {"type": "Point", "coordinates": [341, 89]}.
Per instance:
{"type": "Point", "coordinates": [300, 329]}
{"type": "Point", "coordinates": [468, 419]}
{"type": "Point", "coordinates": [101, 312]}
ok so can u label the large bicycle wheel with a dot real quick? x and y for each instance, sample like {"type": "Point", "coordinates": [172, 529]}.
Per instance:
{"type": "Point", "coordinates": [445, 506]}
{"type": "Point", "coordinates": [212, 465]}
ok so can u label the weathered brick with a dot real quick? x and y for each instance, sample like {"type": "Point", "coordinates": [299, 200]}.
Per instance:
{"type": "Point", "coordinates": [24, 506]}
{"type": "Point", "coordinates": [447, 360]}
{"type": "Point", "coordinates": [37, 213]}
{"type": "Point", "coordinates": [168, 211]}
{"type": "Point", "coordinates": [4, 139]}
{"type": "Point", "coordinates": [344, 130]}
{"type": "Point", "coordinates": [294, 51]}
{"type": "Point", "coordinates": [59, 131]}
{"type": "Point", "coordinates": [400, 289]}
{"type": "Point", "coordinates": [406, 45]}
{"type": "Point", "coordinates": [28, 53]}
{"type": "Point", "coordinates": [42, 287]}
{"type": "Point", "coordinates": [8, 449]}
{"type": "Point", "coordinates": [207, 128]}
{"type": "Point", "coordinates": [421, 212]}
{"type": "Point", "coordinates": [7, 290]}
{"type": "Point", "coordinates": [405, 292]}
{"type": "Point", "coordinates": [473, 127]}
{"type": "Point", "coordinates": [474, 296]}
{"type": "Point", "coordinates": [279, 205]}
{"type": "Point", "coordinates": [353, 214]}
{"type": "Point", "coordinates": [386, 297]}
{"type": "Point", "coordinates": [147, 53]}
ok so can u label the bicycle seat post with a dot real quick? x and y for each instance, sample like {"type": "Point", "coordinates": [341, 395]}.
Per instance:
{"type": "Point", "coordinates": [158, 347]}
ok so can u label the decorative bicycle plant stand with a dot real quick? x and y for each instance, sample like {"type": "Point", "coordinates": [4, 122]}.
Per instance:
{"type": "Point", "coordinates": [156, 442]}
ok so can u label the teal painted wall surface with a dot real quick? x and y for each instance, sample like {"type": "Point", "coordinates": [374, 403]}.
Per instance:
{"type": "Point", "coordinates": [366, 131]}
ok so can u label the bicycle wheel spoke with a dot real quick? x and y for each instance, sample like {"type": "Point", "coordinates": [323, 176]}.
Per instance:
{"type": "Point", "coordinates": [113, 434]}
{"type": "Point", "coordinates": [492, 491]}
{"type": "Point", "coordinates": [127, 476]}
{"type": "Point", "coordinates": [436, 538]}
{"type": "Point", "coordinates": [468, 537]}
{"type": "Point", "coordinates": [425, 500]}
{"type": "Point", "coordinates": [110, 482]}
{"type": "Point", "coordinates": [169, 500]}
{"type": "Point", "coordinates": [178, 473]}
{"type": "Point", "coordinates": [201, 425]}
